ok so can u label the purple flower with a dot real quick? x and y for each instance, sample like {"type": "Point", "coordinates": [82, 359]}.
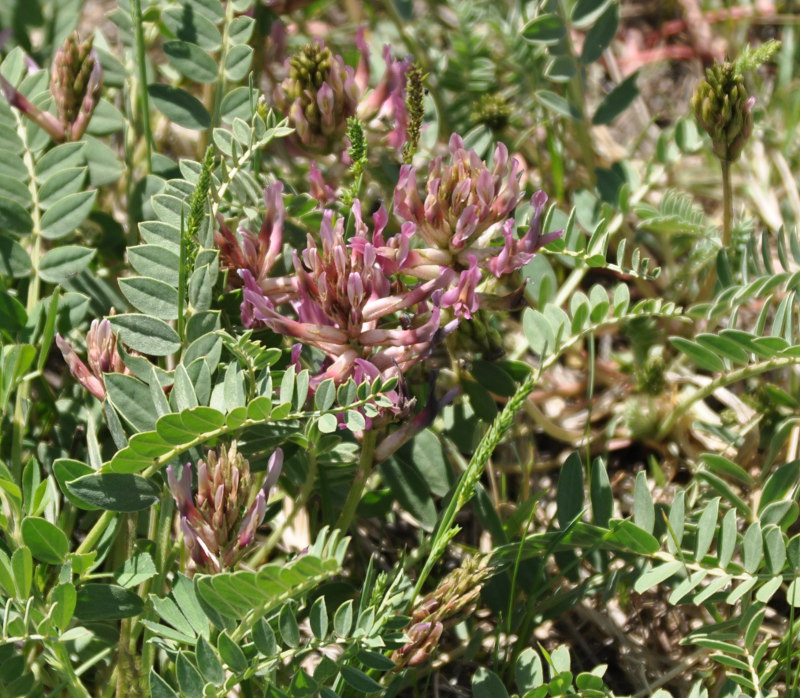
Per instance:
{"type": "Point", "coordinates": [318, 187]}
{"type": "Point", "coordinates": [466, 204]}
{"type": "Point", "coordinates": [346, 302]}
{"type": "Point", "coordinates": [257, 253]}
{"type": "Point", "coordinates": [463, 199]}
{"type": "Point", "coordinates": [387, 102]}
{"type": "Point", "coordinates": [221, 520]}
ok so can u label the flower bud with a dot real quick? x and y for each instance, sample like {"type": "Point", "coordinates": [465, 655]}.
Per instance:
{"type": "Point", "coordinates": [723, 109]}
{"type": "Point", "coordinates": [449, 602]}
{"type": "Point", "coordinates": [318, 96]}
{"type": "Point", "coordinates": [75, 83]}
{"type": "Point", "coordinates": [102, 355]}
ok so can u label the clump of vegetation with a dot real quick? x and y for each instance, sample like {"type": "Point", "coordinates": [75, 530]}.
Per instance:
{"type": "Point", "coordinates": [398, 349]}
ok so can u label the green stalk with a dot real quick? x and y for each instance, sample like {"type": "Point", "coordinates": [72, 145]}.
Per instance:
{"type": "Point", "coordinates": [160, 530]}
{"type": "Point", "coordinates": [577, 94]}
{"type": "Point", "coordinates": [127, 680]}
{"type": "Point", "coordinates": [95, 533]}
{"type": "Point", "coordinates": [707, 290]}
{"type": "Point", "coordinates": [219, 86]}
{"type": "Point", "coordinates": [728, 378]}
{"type": "Point", "coordinates": [363, 472]}
{"type": "Point", "coordinates": [502, 423]}
{"type": "Point", "coordinates": [727, 204]}
{"type": "Point", "coordinates": [73, 684]}
{"type": "Point", "coordinates": [466, 485]}
{"type": "Point", "coordinates": [141, 67]}
{"type": "Point", "coordinates": [34, 291]}
{"type": "Point", "coordinates": [182, 264]}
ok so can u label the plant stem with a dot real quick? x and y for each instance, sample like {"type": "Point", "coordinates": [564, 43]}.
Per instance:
{"type": "Point", "coordinates": [141, 68]}
{"type": "Point", "coordinates": [727, 204]}
{"type": "Point", "coordinates": [363, 472]}
{"type": "Point", "coordinates": [160, 531]}
{"type": "Point", "coordinates": [19, 428]}
{"type": "Point", "coordinates": [707, 289]}
{"type": "Point", "coordinates": [726, 379]}
{"type": "Point", "coordinates": [127, 675]}
{"type": "Point", "coordinates": [182, 274]}
{"type": "Point", "coordinates": [576, 91]}
{"type": "Point", "coordinates": [466, 485]}
{"type": "Point", "coordinates": [96, 532]}
{"type": "Point", "coordinates": [73, 684]}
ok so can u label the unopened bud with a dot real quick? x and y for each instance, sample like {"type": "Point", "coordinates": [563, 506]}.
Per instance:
{"type": "Point", "coordinates": [75, 83]}
{"type": "Point", "coordinates": [722, 107]}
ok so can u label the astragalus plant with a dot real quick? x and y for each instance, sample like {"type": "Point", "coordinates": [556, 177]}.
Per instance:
{"type": "Point", "coordinates": [399, 349]}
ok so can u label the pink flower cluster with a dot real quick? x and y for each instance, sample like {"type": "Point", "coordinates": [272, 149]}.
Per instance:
{"type": "Point", "coordinates": [215, 529]}
{"type": "Point", "coordinates": [377, 304]}
{"type": "Point", "coordinates": [342, 293]}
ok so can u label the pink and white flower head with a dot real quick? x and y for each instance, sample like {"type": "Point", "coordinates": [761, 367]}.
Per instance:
{"type": "Point", "coordinates": [386, 104]}
{"type": "Point", "coordinates": [221, 520]}
{"type": "Point", "coordinates": [466, 205]}
{"type": "Point", "coordinates": [102, 355]}
{"type": "Point", "coordinates": [257, 253]}
{"type": "Point", "coordinates": [347, 303]}
{"type": "Point", "coordinates": [464, 199]}
{"type": "Point", "coordinates": [319, 189]}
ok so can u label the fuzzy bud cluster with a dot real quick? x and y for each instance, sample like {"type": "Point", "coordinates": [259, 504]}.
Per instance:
{"type": "Point", "coordinates": [493, 111]}
{"type": "Point", "coordinates": [724, 110]}
{"type": "Point", "coordinates": [319, 95]}
{"type": "Point", "coordinates": [76, 81]}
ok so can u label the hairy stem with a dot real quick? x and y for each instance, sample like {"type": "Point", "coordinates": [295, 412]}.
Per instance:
{"type": "Point", "coordinates": [34, 291]}
{"type": "Point", "coordinates": [577, 93]}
